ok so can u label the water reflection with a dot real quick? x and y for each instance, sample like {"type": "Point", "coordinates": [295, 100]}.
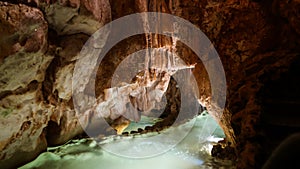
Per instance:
{"type": "Point", "coordinates": [192, 152]}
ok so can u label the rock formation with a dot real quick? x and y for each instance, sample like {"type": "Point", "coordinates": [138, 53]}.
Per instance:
{"type": "Point", "coordinates": [40, 40]}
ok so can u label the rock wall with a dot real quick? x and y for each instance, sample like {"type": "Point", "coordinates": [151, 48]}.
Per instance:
{"type": "Point", "coordinates": [40, 41]}
{"type": "Point", "coordinates": [23, 69]}
{"type": "Point", "coordinates": [38, 47]}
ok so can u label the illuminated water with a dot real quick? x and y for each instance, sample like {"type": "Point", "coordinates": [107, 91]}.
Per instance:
{"type": "Point", "coordinates": [192, 152]}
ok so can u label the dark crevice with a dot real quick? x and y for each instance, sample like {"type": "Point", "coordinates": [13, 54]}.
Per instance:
{"type": "Point", "coordinates": [49, 81]}
{"type": "Point", "coordinates": [280, 102]}
{"type": "Point", "coordinates": [52, 132]}
{"type": "Point", "coordinates": [32, 86]}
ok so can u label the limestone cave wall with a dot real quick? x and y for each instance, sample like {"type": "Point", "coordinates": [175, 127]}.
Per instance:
{"type": "Point", "coordinates": [257, 41]}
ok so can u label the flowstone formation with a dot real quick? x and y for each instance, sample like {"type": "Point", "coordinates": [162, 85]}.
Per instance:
{"type": "Point", "coordinates": [131, 98]}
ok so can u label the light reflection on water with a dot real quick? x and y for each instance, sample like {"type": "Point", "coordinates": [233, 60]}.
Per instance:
{"type": "Point", "coordinates": [191, 153]}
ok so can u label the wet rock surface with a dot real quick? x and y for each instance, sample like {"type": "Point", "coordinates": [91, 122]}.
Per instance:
{"type": "Point", "coordinates": [40, 41]}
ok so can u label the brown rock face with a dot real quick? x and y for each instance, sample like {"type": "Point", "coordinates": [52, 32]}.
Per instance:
{"type": "Point", "coordinates": [35, 109]}
{"type": "Point", "coordinates": [22, 28]}
{"type": "Point", "coordinates": [23, 63]}
{"type": "Point", "coordinates": [257, 41]}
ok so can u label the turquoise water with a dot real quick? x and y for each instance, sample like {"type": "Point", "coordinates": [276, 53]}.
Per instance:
{"type": "Point", "coordinates": [192, 152]}
{"type": "Point", "coordinates": [145, 121]}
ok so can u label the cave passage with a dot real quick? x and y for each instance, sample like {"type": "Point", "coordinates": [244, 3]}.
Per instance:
{"type": "Point", "coordinates": [192, 152]}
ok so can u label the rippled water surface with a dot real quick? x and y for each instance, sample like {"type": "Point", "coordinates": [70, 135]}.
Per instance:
{"type": "Point", "coordinates": [120, 152]}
